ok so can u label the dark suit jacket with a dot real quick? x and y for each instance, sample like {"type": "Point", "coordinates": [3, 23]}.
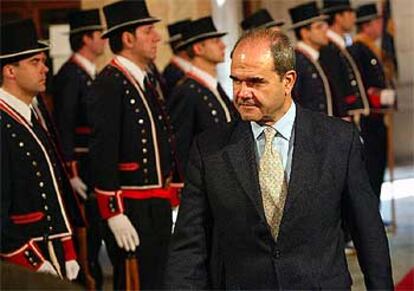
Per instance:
{"type": "Point", "coordinates": [222, 240]}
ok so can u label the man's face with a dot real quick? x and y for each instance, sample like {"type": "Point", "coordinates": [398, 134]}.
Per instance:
{"type": "Point", "coordinates": [212, 50]}
{"type": "Point", "coordinates": [317, 33]}
{"type": "Point", "coordinates": [347, 20]}
{"type": "Point", "coordinates": [376, 27]}
{"type": "Point", "coordinates": [145, 43]}
{"type": "Point", "coordinates": [259, 93]}
{"type": "Point", "coordinates": [96, 43]}
{"type": "Point", "coordinates": [30, 74]}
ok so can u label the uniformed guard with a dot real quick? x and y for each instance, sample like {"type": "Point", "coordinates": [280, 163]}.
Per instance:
{"type": "Point", "coordinates": [380, 93]}
{"type": "Point", "coordinates": [70, 88]}
{"type": "Point", "coordinates": [348, 88]}
{"type": "Point", "coordinates": [312, 89]}
{"type": "Point", "coordinates": [261, 19]}
{"type": "Point", "coordinates": [131, 149]}
{"type": "Point", "coordinates": [180, 63]}
{"type": "Point", "coordinates": [37, 210]}
{"type": "Point", "coordinates": [199, 102]}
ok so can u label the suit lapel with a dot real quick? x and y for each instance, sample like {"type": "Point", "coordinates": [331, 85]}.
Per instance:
{"type": "Point", "coordinates": [241, 157]}
{"type": "Point", "coordinates": [304, 171]}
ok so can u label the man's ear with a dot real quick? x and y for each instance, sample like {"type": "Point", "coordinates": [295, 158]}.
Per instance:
{"type": "Point", "coordinates": [289, 80]}
{"type": "Point", "coordinates": [127, 39]}
{"type": "Point", "coordinates": [198, 48]}
{"type": "Point", "coordinates": [9, 71]}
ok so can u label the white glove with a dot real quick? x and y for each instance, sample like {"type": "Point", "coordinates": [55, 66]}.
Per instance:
{"type": "Point", "coordinates": [79, 187]}
{"type": "Point", "coordinates": [387, 97]}
{"type": "Point", "coordinates": [47, 268]}
{"type": "Point", "coordinates": [72, 269]}
{"type": "Point", "coordinates": [124, 232]}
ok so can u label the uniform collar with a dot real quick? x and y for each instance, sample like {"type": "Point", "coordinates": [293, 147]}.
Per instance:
{"type": "Point", "coordinates": [283, 126]}
{"type": "Point", "coordinates": [184, 65]}
{"type": "Point", "coordinates": [19, 106]}
{"type": "Point", "coordinates": [336, 38]}
{"type": "Point", "coordinates": [206, 77]}
{"type": "Point", "coordinates": [89, 67]}
{"type": "Point", "coordinates": [137, 73]}
{"type": "Point", "coordinates": [314, 54]}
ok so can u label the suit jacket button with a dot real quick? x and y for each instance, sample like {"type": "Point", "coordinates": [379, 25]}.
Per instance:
{"type": "Point", "coordinates": [276, 253]}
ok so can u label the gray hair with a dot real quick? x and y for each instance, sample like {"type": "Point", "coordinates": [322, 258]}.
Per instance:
{"type": "Point", "coordinates": [283, 52]}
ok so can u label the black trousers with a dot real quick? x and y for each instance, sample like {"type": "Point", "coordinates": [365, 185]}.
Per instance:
{"type": "Point", "coordinates": [95, 225]}
{"type": "Point", "coordinates": [374, 134]}
{"type": "Point", "coordinates": [152, 219]}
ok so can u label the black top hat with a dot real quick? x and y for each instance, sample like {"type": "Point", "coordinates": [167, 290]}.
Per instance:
{"type": "Point", "coordinates": [85, 20]}
{"type": "Point", "coordinates": [124, 14]}
{"type": "Point", "coordinates": [19, 41]}
{"type": "Point", "coordinates": [199, 30]}
{"type": "Point", "coordinates": [305, 14]}
{"type": "Point", "coordinates": [367, 12]}
{"type": "Point", "coordinates": [175, 30]}
{"type": "Point", "coordinates": [259, 19]}
{"type": "Point", "coordinates": [336, 6]}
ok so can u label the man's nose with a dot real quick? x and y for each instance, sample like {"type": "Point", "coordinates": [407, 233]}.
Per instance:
{"type": "Point", "coordinates": [244, 91]}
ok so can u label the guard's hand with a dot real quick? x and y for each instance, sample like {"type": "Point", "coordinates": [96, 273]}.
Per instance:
{"type": "Point", "coordinates": [72, 269]}
{"type": "Point", "coordinates": [387, 97]}
{"type": "Point", "coordinates": [124, 232]}
{"type": "Point", "coordinates": [47, 268]}
{"type": "Point", "coordinates": [79, 187]}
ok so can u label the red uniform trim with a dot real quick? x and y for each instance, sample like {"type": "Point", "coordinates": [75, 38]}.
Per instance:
{"type": "Point", "coordinates": [69, 248]}
{"type": "Point", "coordinates": [128, 166]}
{"type": "Point", "coordinates": [72, 168]}
{"type": "Point", "coordinates": [170, 193]}
{"type": "Point", "coordinates": [83, 130]}
{"type": "Point", "coordinates": [375, 100]}
{"type": "Point", "coordinates": [27, 218]}
{"type": "Point", "coordinates": [28, 256]}
{"type": "Point", "coordinates": [109, 203]}
{"type": "Point", "coordinates": [351, 99]}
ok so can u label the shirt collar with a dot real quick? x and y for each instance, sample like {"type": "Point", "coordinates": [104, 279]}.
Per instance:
{"type": "Point", "coordinates": [137, 73]}
{"type": "Point", "coordinates": [314, 54]}
{"type": "Point", "coordinates": [19, 106]}
{"type": "Point", "coordinates": [185, 65]}
{"type": "Point", "coordinates": [206, 77]}
{"type": "Point", "coordinates": [336, 38]}
{"type": "Point", "coordinates": [87, 65]}
{"type": "Point", "coordinates": [283, 126]}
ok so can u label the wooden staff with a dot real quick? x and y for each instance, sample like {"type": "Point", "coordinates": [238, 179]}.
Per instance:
{"type": "Point", "coordinates": [82, 237]}
{"type": "Point", "coordinates": [131, 272]}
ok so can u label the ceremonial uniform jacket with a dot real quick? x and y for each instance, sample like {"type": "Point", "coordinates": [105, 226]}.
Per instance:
{"type": "Point", "coordinates": [345, 79]}
{"type": "Point", "coordinates": [175, 71]}
{"type": "Point", "coordinates": [194, 107]}
{"type": "Point", "coordinates": [368, 58]}
{"type": "Point", "coordinates": [71, 87]}
{"type": "Point", "coordinates": [131, 146]}
{"type": "Point", "coordinates": [312, 89]}
{"type": "Point", "coordinates": [36, 203]}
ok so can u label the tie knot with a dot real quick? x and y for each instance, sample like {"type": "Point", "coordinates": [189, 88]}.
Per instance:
{"type": "Point", "coordinates": [269, 133]}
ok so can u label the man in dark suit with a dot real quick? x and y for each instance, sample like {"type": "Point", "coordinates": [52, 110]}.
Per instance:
{"type": "Point", "coordinates": [180, 63]}
{"type": "Point", "coordinates": [70, 88]}
{"type": "Point", "coordinates": [312, 89]}
{"type": "Point", "coordinates": [38, 208]}
{"type": "Point", "coordinates": [345, 78]}
{"type": "Point", "coordinates": [264, 198]}
{"type": "Point", "coordinates": [199, 102]}
{"type": "Point", "coordinates": [132, 152]}
{"type": "Point", "coordinates": [379, 90]}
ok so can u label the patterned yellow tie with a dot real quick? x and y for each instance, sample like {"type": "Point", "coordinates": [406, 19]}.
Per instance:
{"type": "Point", "coordinates": [272, 183]}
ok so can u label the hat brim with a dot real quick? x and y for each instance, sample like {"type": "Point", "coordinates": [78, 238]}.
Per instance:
{"type": "Point", "coordinates": [200, 37]}
{"type": "Point", "coordinates": [272, 24]}
{"type": "Point", "coordinates": [174, 38]}
{"type": "Point", "coordinates": [26, 53]}
{"type": "Point", "coordinates": [308, 21]}
{"type": "Point", "coordinates": [367, 18]}
{"type": "Point", "coordinates": [137, 22]}
{"type": "Point", "coordinates": [337, 9]}
{"type": "Point", "coordinates": [86, 28]}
